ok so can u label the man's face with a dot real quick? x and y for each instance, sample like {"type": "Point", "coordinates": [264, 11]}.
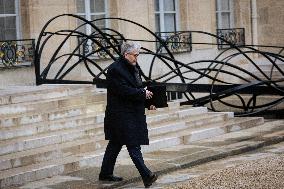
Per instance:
{"type": "Point", "coordinates": [132, 57]}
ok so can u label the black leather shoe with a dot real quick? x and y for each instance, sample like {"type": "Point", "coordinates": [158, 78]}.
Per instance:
{"type": "Point", "coordinates": [150, 180]}
{"type": "Point", "coordinates": [110, 178]}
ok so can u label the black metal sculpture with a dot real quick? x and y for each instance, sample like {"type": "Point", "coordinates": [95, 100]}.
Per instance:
{"type": "Point", "coordinates": [225, 80]}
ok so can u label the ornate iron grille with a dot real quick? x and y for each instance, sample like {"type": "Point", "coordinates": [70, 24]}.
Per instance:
{"type": "Point", "coordinates": [179, 41]}
{"type": "Point", "coordinates": [89, 47]}
{"type": "Point", "coordinates": [17, 53]}
{"type": "Point", "coordinates": [235, 36]}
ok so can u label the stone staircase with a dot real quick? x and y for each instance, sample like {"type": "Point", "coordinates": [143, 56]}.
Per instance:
{"type": "Point", "coordinates": [54, 130]}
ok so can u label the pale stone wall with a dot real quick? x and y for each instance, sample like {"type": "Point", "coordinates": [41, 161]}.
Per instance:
{"type": "Point", "coordinates": [184, 15]}
{"type": "Point", "coordinates": [18, 76]}
{"type": "Point", "coordinates": [270, 22]}
{"type": "Point", "coordinates": [201, 15]}
{"type": "Point", "coordinates": [242, 17]}
{"type": "Point", "coordinates": [113, 12]}
{"type": "Point", "coordinates": [25, 21]}
{"type": "Point", "coordinates": [140, 11]}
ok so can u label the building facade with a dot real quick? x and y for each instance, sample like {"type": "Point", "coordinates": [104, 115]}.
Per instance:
{"type": "Point", "coordinates": [21, 21]}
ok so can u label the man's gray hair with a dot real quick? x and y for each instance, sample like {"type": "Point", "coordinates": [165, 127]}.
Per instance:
{"type": "Point", "coordinates": [130, 46]}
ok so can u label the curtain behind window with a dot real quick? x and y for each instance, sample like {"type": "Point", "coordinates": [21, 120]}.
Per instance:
{"type": "Point", "coordinates": [8, 22]}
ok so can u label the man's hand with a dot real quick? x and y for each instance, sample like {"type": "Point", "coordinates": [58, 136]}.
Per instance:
{"type": "Point", "coordinates": [152, 107]}
{"type": "Point", "coordinates": [149, 94]}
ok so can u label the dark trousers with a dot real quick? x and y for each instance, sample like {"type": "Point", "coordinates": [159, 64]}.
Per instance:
{"type": "Point", "coordinates": [111, 154]}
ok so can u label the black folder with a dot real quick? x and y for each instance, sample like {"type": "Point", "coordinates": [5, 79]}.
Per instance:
{"type": "Point", "coordinates": [159, 98]}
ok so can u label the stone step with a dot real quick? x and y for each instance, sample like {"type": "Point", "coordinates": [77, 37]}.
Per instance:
{"type": "Point", "coordinates": [75, 121]}
{"type": "Point", "coordinates": [48, 104]}
{"type": "Point", "coordinates": [168, 114]}
{"type": "Point", "coordinates": [20, 94]}
{"type": "Point", "coordinates": [52, 114]}
{"type": "Point", "coordinates": [229, 126]}
{"type": "Point", "coordinates": [90, 118]}
{"type": "Point", "coordinates": [205, 131]}
{"type": "Point", "coordinates": [51, 152]}
{"type": "Point", "coordinates": [62, 112]}
{"type": "Point", "coordinates": [181, 124]}
{"type": "Point", "coordinates": [275, 126]}
{"type": "Point", "coordinates": [69, 164]}
{"type": "Point", "coordinates": [35, 155]}
{"type": "Point", "coordinates": [46, 126]}
{"type": "Point", "coordinates": [49, 138]}
{"type": "Point", "coordinates": [71, 133]}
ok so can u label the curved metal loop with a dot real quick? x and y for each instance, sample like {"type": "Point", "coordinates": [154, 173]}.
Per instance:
{"type": "Point", "coordinates": [224, 77]}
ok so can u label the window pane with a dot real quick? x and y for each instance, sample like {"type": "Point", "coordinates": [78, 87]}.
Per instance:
{"type": "Point", "coordinates": [8, 29]}
{"type": "Point", "coordinates": [10, 34]}
{"type": "Point", "coordinates": [218, 21]}
{"type": "Point", "coordinates": [170, 25]}
{"type": "Point", "coordinates": [9, 6]}
{"type": "Point", "coordinates": [97, 6]}
{"type": "Point", "coordinates": [157, 22]}
{"type": "Point", "coordinates": [225, 20]}
{"type": "Point", "coordinates": [2, 20]}
{"type": "Point", "coordinates": [100, 23]}
{"type": "Point", "coordinates": [225, 5]}
{"type": "Point", "coordinates": [80, 6]}
{"type": "Point", "coordinates": [217, 5]}
{"type": "Point", "coordinates": [10, 22]}
{"type": "Point", "coordinates": [157, 5]}
{"type": "Point", "coordinates": [2, 29]}
{"type": "Point", "coordinates": [169, 5]}
{"type": "Point", "coordinates": [1, 7]}
{"type": "Point", "coordinates": [92, 5]}
{"type": "Point", "coordinates": [2, 36]}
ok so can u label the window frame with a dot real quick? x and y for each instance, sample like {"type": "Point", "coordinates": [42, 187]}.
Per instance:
{"type": "Point", "coordinates": [88, 14]}
{"type": "Point", "coordinates": [18, 20]}
{"type": "Point", "coordinates": [219, 21]}
{"type": "Point", "coordinates": [162, 13]}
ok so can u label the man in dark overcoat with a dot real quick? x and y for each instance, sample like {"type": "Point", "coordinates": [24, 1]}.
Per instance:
{"type": "Point", "coordinates": [125, 119]}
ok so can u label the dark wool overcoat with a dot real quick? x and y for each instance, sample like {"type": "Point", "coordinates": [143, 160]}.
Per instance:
{"type": "Point", "coordinates": [125, 120]}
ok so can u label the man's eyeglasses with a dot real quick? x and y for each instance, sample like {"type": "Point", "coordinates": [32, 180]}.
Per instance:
{"type": "Point", "coordinates": [135, 55]}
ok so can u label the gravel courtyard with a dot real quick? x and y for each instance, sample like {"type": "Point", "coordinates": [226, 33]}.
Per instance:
{"type": "Point", "coordinates": [263, 173]}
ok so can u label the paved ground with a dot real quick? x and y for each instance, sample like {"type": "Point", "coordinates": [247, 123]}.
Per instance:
{"type": "Point", "coordinates": [259, 169]}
